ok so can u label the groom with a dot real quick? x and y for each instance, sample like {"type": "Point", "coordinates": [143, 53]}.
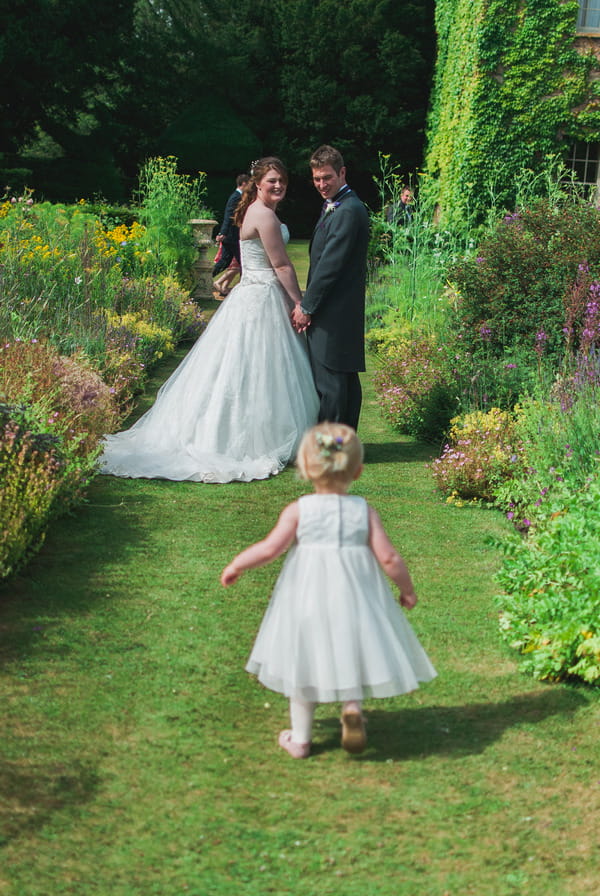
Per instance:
{"type": "Point", "coordinates": [333, 306]}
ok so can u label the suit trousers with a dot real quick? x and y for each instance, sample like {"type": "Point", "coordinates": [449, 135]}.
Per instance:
{"type": "Point", "coordinates": [340, 393]}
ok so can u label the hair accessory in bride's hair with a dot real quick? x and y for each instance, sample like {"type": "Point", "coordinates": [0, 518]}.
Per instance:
{"type": "Point", "coordinates": [253, 166]}
{"type": "Point", "coordinates": [328, 444]}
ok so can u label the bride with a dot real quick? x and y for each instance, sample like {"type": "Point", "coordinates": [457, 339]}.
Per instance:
{"type": "Point", "coordinates": [241, 399]}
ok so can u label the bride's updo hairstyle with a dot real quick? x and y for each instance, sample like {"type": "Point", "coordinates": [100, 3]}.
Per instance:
{"type": "Point", "coordinates": [258, 170]}
{"type": "Point", "coordinates": [328, 453]}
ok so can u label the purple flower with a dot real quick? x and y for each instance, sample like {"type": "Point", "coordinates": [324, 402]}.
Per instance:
{"type": "Point", "coordinates": [540, 342]}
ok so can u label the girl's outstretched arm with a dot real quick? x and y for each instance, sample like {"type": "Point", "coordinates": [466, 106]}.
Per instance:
{"type": "Point", "coordinates": [390, 560]}
{"type": "Point", "coordinates": [276, 543]}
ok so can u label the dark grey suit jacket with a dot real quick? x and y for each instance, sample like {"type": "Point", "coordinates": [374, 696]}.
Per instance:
{"type": "Point", "coordinates": [335, 292]}
{"type": "Point", "coordinates": [231, 233]}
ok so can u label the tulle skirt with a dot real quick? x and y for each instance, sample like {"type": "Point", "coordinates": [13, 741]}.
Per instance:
{"type": "Point", "coordinates": [334, 631]}
{"type": "Point", "coordinates": [237, 405]}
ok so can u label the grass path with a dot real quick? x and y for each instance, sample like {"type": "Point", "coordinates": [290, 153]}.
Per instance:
{"type": "Point", "coordinates": [139, 759]}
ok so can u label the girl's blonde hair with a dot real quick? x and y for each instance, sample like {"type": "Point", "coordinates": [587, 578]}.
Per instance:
{"type": "Point", "coordinates": [329, 452]}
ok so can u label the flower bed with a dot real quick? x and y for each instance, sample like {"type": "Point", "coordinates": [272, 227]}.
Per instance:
{"type": "Point", "coordinates": [520, 357]}
{"type": "Point", "coordinates": [88, 308]}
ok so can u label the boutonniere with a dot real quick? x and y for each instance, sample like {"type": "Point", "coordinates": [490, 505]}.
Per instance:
{"type": "Point", "coordinates": [328, 209]}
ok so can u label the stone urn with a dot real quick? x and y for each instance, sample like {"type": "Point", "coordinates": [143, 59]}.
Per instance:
{"type": "Point", "coordinates": [202, 230]}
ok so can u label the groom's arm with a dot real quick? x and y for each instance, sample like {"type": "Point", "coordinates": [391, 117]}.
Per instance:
{"type": "Point", "coordinates": [336, 255]}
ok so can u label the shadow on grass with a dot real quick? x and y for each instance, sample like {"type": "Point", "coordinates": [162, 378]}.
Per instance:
{"type": "Point", "coordinates": [66, 577]}
{"type": "Point", "coordinates": [398, 452]}
{"type": "Point", "coordinates": [455, 731]}
{"type": "Point", "coordinates": [32, 793]}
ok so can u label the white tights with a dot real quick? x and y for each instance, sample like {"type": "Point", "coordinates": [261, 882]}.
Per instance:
{"type": "Point", "coordinates": [302, 714]}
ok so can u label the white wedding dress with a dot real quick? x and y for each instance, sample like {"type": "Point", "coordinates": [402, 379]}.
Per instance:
{"type": "Point", "coordinates": [239, 402]}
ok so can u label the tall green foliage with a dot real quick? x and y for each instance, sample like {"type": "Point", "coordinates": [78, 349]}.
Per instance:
{"type": "Point", "coordinates": [510, 90]}
{"type": "Point", "coordinates": [168, 201]}
{"type": "Point", "coordinates": [528, 281]}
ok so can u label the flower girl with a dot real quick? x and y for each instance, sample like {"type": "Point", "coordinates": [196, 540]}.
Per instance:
{"type": "Point", "coordinates": [333, 630]}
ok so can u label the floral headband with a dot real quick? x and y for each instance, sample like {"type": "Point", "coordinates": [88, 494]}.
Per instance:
{"type": "Point", "coordinates": [328, 444]}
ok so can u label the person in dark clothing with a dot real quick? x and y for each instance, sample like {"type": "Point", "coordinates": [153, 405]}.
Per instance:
{"type": "Point", "coordinates": [228, 238]}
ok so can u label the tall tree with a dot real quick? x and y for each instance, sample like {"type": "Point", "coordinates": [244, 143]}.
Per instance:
{"type": "Point", "coordinates": [296, 72]}
{"type": "Point", "coordinates": [300, 72]}
{"type": "Point", "coordinates": [357, 74]}
{"type": "Point", "coordinates": [58, 58]}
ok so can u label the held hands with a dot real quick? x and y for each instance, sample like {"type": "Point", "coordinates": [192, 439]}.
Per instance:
{"type": "Point", "coordinates": [300, 320]}
{"type": "Point", "coordinates": [408, 600]}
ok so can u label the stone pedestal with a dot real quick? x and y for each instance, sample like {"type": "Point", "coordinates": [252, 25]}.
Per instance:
{"type": "Point", "coordinates": [202, 229]}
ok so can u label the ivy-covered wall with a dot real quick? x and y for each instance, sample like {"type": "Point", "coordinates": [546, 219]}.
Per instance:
{"type": "Point", "coordinates": [510, 90]}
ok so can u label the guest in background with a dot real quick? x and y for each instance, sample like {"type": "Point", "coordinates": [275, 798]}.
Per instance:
{"type": "Point", "coordinates": [227, 261]}
{"type": "Point", "coordinates": [400, 212]}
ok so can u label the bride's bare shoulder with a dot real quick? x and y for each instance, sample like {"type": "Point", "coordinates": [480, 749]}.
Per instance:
{"type": "Point", "coordinates": [256, 220]}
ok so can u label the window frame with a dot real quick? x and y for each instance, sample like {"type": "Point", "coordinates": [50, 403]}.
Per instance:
{"type": "Point", "coordinates": [582, 27]}
{"type": "Point", "coordinates": [579, 157]}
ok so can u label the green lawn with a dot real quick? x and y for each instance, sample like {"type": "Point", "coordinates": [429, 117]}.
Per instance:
{"type": "Point", "coordinates": [298, 252]}
{"type": "Point", "coordinates": [139, 759]}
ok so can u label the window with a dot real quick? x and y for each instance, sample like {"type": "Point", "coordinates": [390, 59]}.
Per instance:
{"type": "Point", "coordinates": [589, 15]}
{"type": "Point", "coordinates": [583, 161]}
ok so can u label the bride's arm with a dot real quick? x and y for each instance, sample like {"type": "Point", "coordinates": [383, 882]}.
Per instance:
{"type": "Point", "coordinates": [268, 227]}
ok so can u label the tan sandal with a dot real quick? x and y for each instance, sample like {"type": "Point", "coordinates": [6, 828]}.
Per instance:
{"type": "Point", "coordinates": [354, 737]}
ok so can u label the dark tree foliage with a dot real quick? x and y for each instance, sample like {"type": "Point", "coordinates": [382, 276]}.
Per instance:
{"type": "Point", "coordinates": [357, 74]}
{"type": "Point", "coordinates": [304, 72]}
{"type": "Point", "coordinates": [296, 73]}
{"type": "Point", "coordinates": [58, 61]}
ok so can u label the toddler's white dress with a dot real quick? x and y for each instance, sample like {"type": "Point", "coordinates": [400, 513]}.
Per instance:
{"type": "Point", "coordinates": [333, 630]}
{"type": "Point", "coordinates": [239, 402]}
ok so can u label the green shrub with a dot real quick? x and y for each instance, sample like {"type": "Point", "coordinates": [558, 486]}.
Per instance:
{"type": "Point", "coordinates": [71, 399]}
{"type": "Point", "coordinates": [483, 449]}
{"type": "Point", "coordinates": [415, 386]}
{"type": "Point", "coordinates": [523, 285]}
{"type": "Point", "coordinates": [53, 413]}
{"type": "Point", "coordinates": [191, 321]}
{"type": "Point", "coordinates": [408, 260]}
{"type": "Point", "coordinates": [31, 475]}
{"type": "Point", "coordinates": [150, 341]}
{"type": "Point", "coordinates": [550, 608]}
{"type": "Point", "coordinates": [168, 201]}
{"type": "Point", "coordinates": [558, 431]}
{"type": "Point", "coordinates": [57, 270]}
